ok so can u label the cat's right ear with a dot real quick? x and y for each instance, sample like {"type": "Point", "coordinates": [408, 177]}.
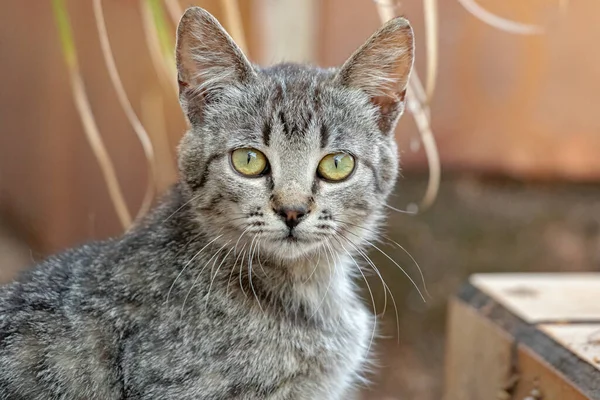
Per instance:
{"type": "Point", "coordinates": [208, 60]}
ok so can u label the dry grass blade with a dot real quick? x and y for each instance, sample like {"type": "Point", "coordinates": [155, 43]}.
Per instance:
{"type": "Point", "coordinates": [417, 99]}
{"type": "Point", "coordinates": [421, 115]}
{"type": "Point", "coordinates": [563, 5]}
{"type": "Point", "coordinates": [175, 10]}
{"type": "Point", "coordinates": [153, 117]}
{"type": "Point", "coordinates": [430, 12]}
{"type": "Point", "coordinates": [82, 104]}
{"type": "Point", "coordinates": [158, 41]}
{"type": "Point", "coordinates": [233, 22]}
{"type": "Point", "coordinates": [127, 108]}
{"type": "Point", "coordinates": [498, 22]}
{"type": "Point", "coordinates": [387, 9]}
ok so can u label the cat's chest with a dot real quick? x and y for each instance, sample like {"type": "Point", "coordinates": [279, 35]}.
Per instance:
{"type": "Point", "coordinates": [316, 344]}
{"type": "Point", "coordinates": [237, 350]}
{"type": "Point", "coordinates": [290, 355]}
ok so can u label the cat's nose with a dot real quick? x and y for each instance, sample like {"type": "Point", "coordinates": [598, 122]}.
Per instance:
{"type": "Point", "coordinates": [292, 215]}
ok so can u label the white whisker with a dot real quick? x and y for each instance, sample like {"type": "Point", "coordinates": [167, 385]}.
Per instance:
{"type": "Point", "coordinates": [398, 245]}
{"type": "Point", "coordinates": [188, 263]}
{"type": "Point", "coordinates": [395, 263]}
{"type": "Point", "coordinates": [385, 286]}
{"type": "Point", "coordinates": [330, 278]}
{"type": "Point", "coordinates": [242, 253]}
{"type": "Point", "coordinates": [182, 206]}
{"type": "Point", "coordinates": [250, 257]}
{"type": "Point", "coordinates": [370, 293]}
{"type": "Point", "coordinates": [215, 275]}
{"type": "Point", "coordinates": [199, 274]}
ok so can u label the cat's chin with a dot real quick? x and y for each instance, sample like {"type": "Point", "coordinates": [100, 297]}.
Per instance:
{"type": "Point", "coordinates": [292, 247]}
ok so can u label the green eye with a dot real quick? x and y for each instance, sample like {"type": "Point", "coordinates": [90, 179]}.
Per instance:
{"type": "Point", "coordinates": [336, 167]}
{"type": "Point", "coordinates": [249, 162]}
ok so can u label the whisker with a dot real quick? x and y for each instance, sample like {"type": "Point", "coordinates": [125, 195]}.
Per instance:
{"type": "Point", "coordinates": [242, 269]}
{"type": "Point", "coordinates": [236, 260]}
{"type": "Point", "coordinates": [187, 264]}
{"type": "Point", "coordinates": [364, 277]}
{"type": "Point", "coordinates": [398, 245]}
{"type": "Point", "coordinates": [386, 287]}
{"type": "Point", "coordinates": [199, 274]}
{"type": "Point", "coordinates": [260, 264]}
{"type": "Point", "coordinates": [316, 266]}
{"type": "Point", "coordinates": [182, 206]}
{"type": "Point", "coordinates": [215, 275]}
{"type": "Point", "coordinates": [240, 238]}
{"type": "Point", "coordinates": [330, 278]}
{"type": "Point", "coordinates": [250, 257]}
{"type": "Point", "coordinates": [395, 263]}
{"type": "Point", "coordinates": [370, 293]}
{"type": "Point", "coordinates": [242, 253]}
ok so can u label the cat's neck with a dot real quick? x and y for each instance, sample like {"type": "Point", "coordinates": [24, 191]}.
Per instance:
{"type": "Point", "coordinates": [314, 283]}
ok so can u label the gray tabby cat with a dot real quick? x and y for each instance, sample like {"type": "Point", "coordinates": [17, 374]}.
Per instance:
{"type": "Point", "coordinates": [239, 285]}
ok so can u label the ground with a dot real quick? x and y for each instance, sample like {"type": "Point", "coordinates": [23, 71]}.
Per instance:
{"type": "Point", "coordinates": [476, 225]}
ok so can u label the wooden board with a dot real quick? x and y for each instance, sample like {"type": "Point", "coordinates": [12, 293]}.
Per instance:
{"type": "Point", "coordinates": [548, 359]}
{"type": "Point", "coordinates": [552, 297]}
{"type": "Point", "coordinates": [582, 339]}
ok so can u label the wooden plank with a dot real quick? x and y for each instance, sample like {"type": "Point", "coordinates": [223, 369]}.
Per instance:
{"type": "Point", "coordinates": [537, 376]}
{"type": "Point", "coordinates": [474, 345]}
{"type": "Point", "coordinates": [477, 344]}
{"type": "Point", "coordinates": [538, 298]}
{"type": "Point", "coordinates": [570, 372]}
{"type": "Point", "coordinates": [581, 339]}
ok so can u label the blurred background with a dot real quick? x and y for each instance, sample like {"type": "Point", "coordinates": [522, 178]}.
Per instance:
{"type": "Point", "coordinates": [515, 118]}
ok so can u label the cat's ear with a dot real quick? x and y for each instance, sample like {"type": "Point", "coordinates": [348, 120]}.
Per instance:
{"type": "Point", "coordinates": [208, 59]}
{"type": "Point", "coordinates": [381, 68]}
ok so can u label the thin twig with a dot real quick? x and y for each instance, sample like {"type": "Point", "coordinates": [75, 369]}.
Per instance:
{"type": "Point", "coordinates": [85, 113]}
{"type": "Point", "coordinates": [430, 12]}
{"type": "Point", "coordinates": [498, 22]}
{"type": "Point", "coordinates": [153, 116]}
{"type": "Point", "coordinates": [175, 10]}
{"type": "Point", "coordinates": [422, 120]}
{"type": "Point", "coordinates": [162, 58]}
{"type": "Point", "coordinates": [234, 24]}
{"type": "Point", "coordinates": [127, 108]}
{"type": "Point", "coordinates": [416, 100]}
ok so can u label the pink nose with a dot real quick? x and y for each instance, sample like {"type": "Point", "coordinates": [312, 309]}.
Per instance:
{"type": "Point", "coordinates": [291, 215]}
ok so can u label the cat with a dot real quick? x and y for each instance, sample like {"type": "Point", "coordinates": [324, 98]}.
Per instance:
{"type": "Point", "coordinates": [240, 284]}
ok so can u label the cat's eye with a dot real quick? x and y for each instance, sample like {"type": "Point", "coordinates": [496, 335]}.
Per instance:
{"type": "Point", "coordinates": [336, 167]}
{"type": "Point", "coordinates": [249, 162]}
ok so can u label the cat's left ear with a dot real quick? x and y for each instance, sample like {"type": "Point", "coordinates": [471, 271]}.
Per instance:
{"type": "Point", "coordinates": [381, 68]}
{"type": "Point", "coordinates": [208, 60]}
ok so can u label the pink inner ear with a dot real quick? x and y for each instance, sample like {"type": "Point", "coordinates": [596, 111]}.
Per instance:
{"type": "Point", "coordinates": [389, 109]}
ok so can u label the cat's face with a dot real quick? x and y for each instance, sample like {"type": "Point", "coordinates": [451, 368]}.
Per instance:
{"type": "Point", "coordinates": [289, 159]}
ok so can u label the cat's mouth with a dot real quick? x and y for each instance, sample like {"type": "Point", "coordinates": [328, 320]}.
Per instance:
{"type": "Point", "coordinates": [293, 238]}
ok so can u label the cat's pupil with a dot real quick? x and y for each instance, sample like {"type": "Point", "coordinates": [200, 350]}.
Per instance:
{"type": "Point", "coordinates": [336, 160]}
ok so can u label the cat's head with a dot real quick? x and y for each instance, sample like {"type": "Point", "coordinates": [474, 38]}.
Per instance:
{"type": "Point", "coordinates": [291, 157]}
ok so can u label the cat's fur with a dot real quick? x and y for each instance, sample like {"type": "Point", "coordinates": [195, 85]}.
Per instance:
{"type": "Point", "coordinates": [209, 297]}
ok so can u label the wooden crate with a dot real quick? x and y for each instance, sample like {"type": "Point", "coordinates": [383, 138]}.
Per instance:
{"type": "Point", "coordinates": [525, 337]}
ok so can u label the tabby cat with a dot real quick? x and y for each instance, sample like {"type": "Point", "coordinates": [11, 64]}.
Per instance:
{"type": "Point", "coordinates": [240, 284]}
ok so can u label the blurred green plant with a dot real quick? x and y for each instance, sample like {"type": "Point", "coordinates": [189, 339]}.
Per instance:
{"type": "Point", "coordinates": [159, 37]}
{"type": "Point", "coordinates": [61, 16]}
